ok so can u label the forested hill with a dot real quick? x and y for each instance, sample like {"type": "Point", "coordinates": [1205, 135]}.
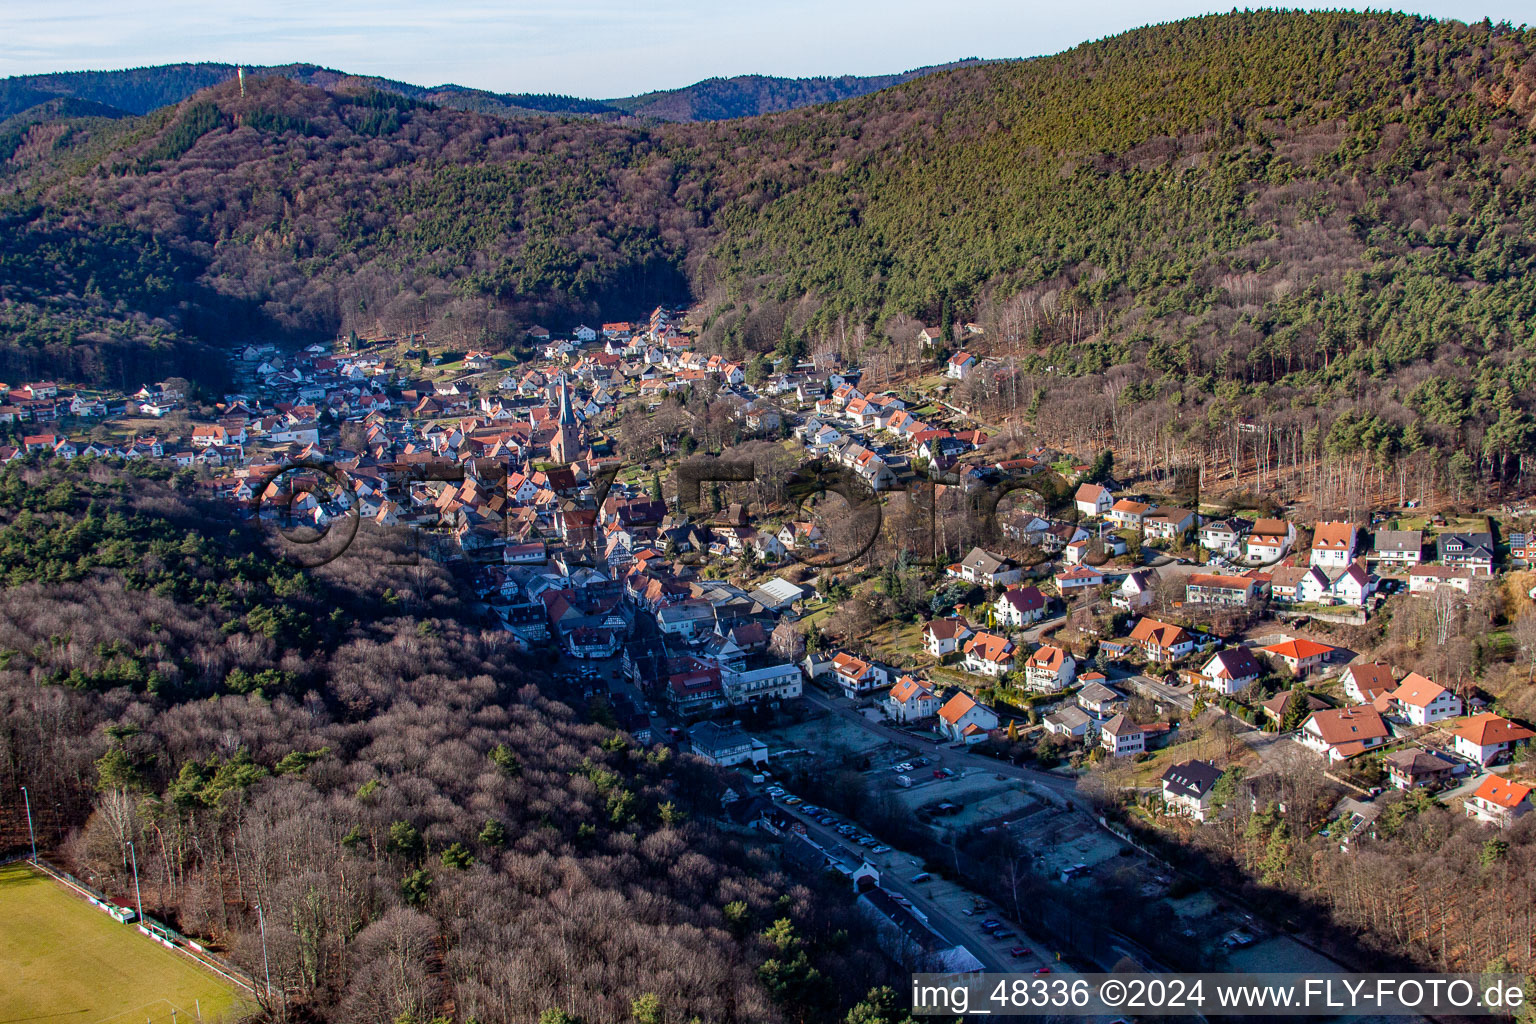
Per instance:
{"type": "Point", "coordinates": [718, 99]}
{"type": "Point", "coordinates": [1337, 205]}
{"type": "Point", "coordinates": [141, 90]}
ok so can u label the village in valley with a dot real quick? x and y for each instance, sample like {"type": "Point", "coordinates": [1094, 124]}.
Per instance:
{"type": "Point", "coordinates": [1065, 675]}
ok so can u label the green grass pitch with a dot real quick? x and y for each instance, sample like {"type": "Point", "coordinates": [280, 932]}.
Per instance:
{"type": "Point", "coordinates": [66, 962]}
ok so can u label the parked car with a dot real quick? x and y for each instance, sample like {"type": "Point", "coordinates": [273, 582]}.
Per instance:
{"type": "Point", "coordinates": [921, 877]}
{"type": "Point", "coordinates": [1018, 951]}
{"type": "Point", "coordinates": [1042, 970]}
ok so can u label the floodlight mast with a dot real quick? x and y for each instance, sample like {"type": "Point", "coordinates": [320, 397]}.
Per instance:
{"type": "Point", "coordinates": [30, 834]}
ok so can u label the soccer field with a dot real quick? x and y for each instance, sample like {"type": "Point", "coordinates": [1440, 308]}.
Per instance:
{"type": "Point", "coordinates": [62, 961]}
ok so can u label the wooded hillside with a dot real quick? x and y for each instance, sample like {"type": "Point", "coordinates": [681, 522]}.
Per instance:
{"type": "Point", "coordinates": [1264, 210]}
{"type": "Point", "coordinates": [429, 827]}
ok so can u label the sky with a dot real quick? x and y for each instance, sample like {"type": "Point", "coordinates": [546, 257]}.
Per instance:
{"type": "Point", "coordinates": [591, 48]}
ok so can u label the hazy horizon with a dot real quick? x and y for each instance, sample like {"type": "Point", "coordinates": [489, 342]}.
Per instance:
{"type": "Point", "coordinates": [598, 49]}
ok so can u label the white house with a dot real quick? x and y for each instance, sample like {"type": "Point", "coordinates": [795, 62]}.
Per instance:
{"type": "Point", "coordinates": [1188, 788]}
{"type": "Point", "coordinates": [1019, 606]}
{"type": "Point", "coordinates": [1049, 669]}
{"type": "Point", "coordinates": [1499, 801]}
{"type": "Point", "coordinates": [960, 364]}
{"type": "Point", "coordinates": [1136, 590]}
{"type": "Point", "coordinates": [1093, 499]}
{"type": "Point", "coordinates": [1423, 701]}
{"type": "Point", "coordinates": [963, 720]}
{"type": "Point", "coordinates": [1269, 540]}
{"type": "Point", "coordinates": [1231, 670]}
{"type": "Point", "coordinates": [1342, 733]}
{"type": "Point", "coordinates": [1072, 722]}
{"type": "Point", "coordinates": [944, 636]}
{"type": "Point", "coordinates": [1334, 544]}
{"type": "Point", "coordinates": [988, 654]}
{"type": "Point", "coordinates": [909, 701]}
{"type": "Point", "coordinates": [1122, 737]}
{"type": "Point", "coordinates": [1482, 738]}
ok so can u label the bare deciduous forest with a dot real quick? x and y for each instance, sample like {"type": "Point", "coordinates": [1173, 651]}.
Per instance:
{"type": "Point", "coordinates": [429, 829]}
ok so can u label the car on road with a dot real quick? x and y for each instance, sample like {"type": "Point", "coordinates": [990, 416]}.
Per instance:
{"type": "Point", "coordinates": [921, 877]}
{"type": "Point", "coordinates": [792, 800]}
{"type": "Point", "coordinates": [1042, 970]}
{"type": "Point", "coordinates": [880, 848]}
{"type": "Point", "coordinates": [1018, 951]}
{"type": "Point", "coordinates": [1003, 935]}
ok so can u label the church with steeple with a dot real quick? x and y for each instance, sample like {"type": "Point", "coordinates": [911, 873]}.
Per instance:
{"type": "Point", "coordinates": [565, 446]}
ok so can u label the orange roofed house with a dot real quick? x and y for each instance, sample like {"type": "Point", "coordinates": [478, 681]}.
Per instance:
{"type": "Point", "coordinates": [909, 701]}
{"type": "Point", "coordinates": [963, 720]}
{"type": "Point", "coordinates": [1299, 655]}
{"type": "Point", "coordinates": [989, 654]}
{"type": "Point", "coordinates": [1420, 700]}
{"type": "Point", "coordinates": [1499, 801]}
{"type": "Point", "coordinates": [1161, 642]}
{"type": "Point", "coordinates": [1342, 733]}
{"type": "Point", "coordinates": [1482, 738]}
{"type": "Point", "coordinates": [1333, 545]}
{"type": "Point", "coordinates": [1049, 670]}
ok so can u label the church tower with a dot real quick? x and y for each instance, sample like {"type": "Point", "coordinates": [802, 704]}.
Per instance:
{"type": "Point", "coordinates": [566, 444]}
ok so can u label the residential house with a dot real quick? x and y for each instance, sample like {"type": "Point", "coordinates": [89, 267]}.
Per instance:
{"type": "Point", "coordinates": [1136, 591]}
{"type": "Point", "coordinates": [1522, 547]}
{"type": "Point", "coordinates": [1269, 541]}
{"type": "Point", "coordinates": [1413, 767]}
{"type": "Point", "coordinates": [1485, 737]}
{"type": "Point", "coordinates": [1301, 656]}
{"type": "Point", "coordinates": [1279, 706]}
{"type": "Point", "coordinates": [1420, 700]}
{"type": "Point", "coordinates": [1333, 545]}
{"type": "Point", "coordinates": [1161, 642]}
{"type": "Point", "coordinates": [1071, 722]}
{"type": "Point", "coordinates": [988, 654]}
{"type": "Point", "coordinates": [1224, 536]}
{"type": "Point", "coordinates": [720, 745]}
{"type": "Point", "coordinates": [960, 365]}
{"type": "Point", "coordinates": [1019, 606]}
{"type": "Point", "coordinates": [1122, 737]}
{"type": "Point", "coordinates": [1342, 733]}
{"type": "Point", "coordinates": [1228, 591]}
{"type": "Point", "coordinates": [981, 566]}
{"type": "Point", "coordinates": [1398, 548]}
{"type": "Point", "coordinates": [1499, 801]}
{"type": "Point", "coordinates": [1168, 524]}
{"type": "Point", "coordinates": [1471, 551]}
{"type": "Point", "coordinates": [1231, 670]}
{"type": "Point", "coordinates": [1188, 788]}
{"type": "Point", "coordinates": [944, 636]}
{"type": "Point", "coordinates": [1049, 669]}
{"type": "Point", "coordinates": [962, 720]}
{"type": "Point", "coordinates": [1128, 513]}
{"type": "Point", "coordinates": [1079, 577]}
{"type": "Point", "coordinates": [695, 690]}
{"type": "Point", "coordinates": [1096, 697]}
{"type": "Point", "coordinates": [1093, 499]}
{"type": "Point", "coordinates": [856, 676]}
{"type": "Point", "coordinates": [1426, 579]}
{"type": "Point", "coordinates": [1365, 682]}
{"type": "Point", "coordinates": [910, 701]}
{"type": "Point", "coordinates": [767, 682]}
